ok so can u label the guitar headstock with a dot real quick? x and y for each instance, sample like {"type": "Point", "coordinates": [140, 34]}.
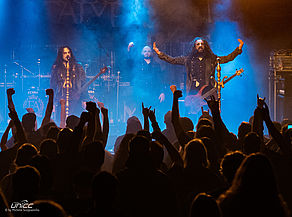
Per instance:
{"type": "Point", "coordinates": [103, 70]}
{"type": "Point", "coordinates": [239, 72]}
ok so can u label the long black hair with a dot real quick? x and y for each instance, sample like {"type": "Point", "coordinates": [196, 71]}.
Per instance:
{"type": "Point", "coordinates": [59, 60]}
{"type": "Point", "coordinates": [207, 49]}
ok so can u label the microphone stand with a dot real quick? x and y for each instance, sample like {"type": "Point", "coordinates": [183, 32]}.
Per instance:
{"type": "Point", "coordinates": [219, 83]}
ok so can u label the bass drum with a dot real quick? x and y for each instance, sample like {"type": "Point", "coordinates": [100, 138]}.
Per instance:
{"type": "Point", "coordinates": [35, 102]}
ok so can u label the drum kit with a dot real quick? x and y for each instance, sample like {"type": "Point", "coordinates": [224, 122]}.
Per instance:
{"type": "Point", "coordinates": [29, 86]}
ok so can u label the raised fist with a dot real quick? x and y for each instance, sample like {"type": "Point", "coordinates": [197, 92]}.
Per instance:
{"type": "Point", "coordinates": [177, 94]}
{"type": "Point", "coordinates": [10, 91]}
{"type": "Point", "coordinates": [173, 88]}
{"type": "Point", "coordinates": [91, 107]}
{"type": "Point", "coordinates": [50, 92]}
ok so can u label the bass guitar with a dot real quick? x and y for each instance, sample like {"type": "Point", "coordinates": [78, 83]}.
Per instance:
{"type": "Point", "coordinates": [77, 94]}
{"type": "Point", "coordinates": [195, 102]}
{"type": "Point", "coordinates": [75, 97]}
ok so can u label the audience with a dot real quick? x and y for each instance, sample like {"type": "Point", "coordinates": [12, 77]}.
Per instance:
{"type": "Point", "coordinates": [174, 172]}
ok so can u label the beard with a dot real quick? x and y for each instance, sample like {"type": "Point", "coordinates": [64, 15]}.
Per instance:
{"type": "Point", "coordinates": [201, 50]}
{"type": "Point", "coordinates": [200, 53]}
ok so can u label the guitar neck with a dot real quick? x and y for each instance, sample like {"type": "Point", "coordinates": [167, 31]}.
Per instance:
{"type": "Point", "coordinates": [90, 82]}
{"type": "Point", "coordinates": [228, 79]}
{"type": "Point", "coordinates": [209, 93]}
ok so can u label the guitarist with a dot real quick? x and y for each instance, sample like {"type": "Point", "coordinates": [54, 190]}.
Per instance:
{"type": "Point", "coordinates": [200, 64]}
{"type": "Point", "coordinates": [67, 78]}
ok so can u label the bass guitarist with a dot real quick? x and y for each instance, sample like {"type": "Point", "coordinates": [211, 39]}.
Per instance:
{"type": "Point", "coordinates": [200, 64]}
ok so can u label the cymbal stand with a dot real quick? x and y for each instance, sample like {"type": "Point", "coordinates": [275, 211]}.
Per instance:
{"type": "Point", "coordinates": [21, 79]}
{"type": "Point", "coordinates": [5, 88]}
{"type": "Point", "coordinates": [39, 71]}
{"type": "Point", "coordinates": [108, 80]}
{"type": "Point", "coordinates": [118, 90]}
{"type": "Point", "coordinates": [22, 69]}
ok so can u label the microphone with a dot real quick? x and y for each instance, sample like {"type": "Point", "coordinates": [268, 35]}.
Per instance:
{"type": "Point", "coordinates": [218, 59]}
{"type": "Point", "coordinates": [68, 58]}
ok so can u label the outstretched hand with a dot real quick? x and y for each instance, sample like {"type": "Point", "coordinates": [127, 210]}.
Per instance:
{"type": "Point", "coordinates": [30, 110]}
{"type": "Point", "coordinates": [241, 43]}
{"type": "Point", "coordinates": [260, 102]}
{"type": "Point", "coordinates": [103, 109]}
{"type": "Point", "coordinates": [152, 116]}
{"type": "Point", "coordinates": [177, 94]}
{"type": "Point", "coordinates": [50, 92]}
{"type": "Point", "coordinates": [173, 88]}
{"type": "Point", "coordinates": [205, 113]}
{"type": "Point", "coordinates": [213, 104]}
{"type": "Point", "coordinates": [145, 110]}
{"type": "Point", "coordinates": [91, 107]}
{"type": "Point", "coordinates": [161, 97]}
{"type": "Point", "coordinates": [156, 49]}
{"type": "Point", "coordinates": [131, 44]}
{"type": "Point", "coordinates": [10, 91]}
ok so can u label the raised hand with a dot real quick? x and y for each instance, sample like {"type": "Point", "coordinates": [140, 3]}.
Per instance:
{"type": "Point", "coordinates": [49, 92]}
{"type": "Point", "coordinates": [177, 94]}
{"type": "Point", "coordinates": [161, 97]}
{"type": "Point", "coordinates": [104, 110]}
{"type": "Point", "coordinates": [91, 107]}
{"type": "Point", "coordinates": [155, 48]}
{"type": "Point", "coordinates": [205, 113]}
{"type": "Point", "coordinates": [131, 44]}
{"type": "Point", "coordinates": [241, 43]}
{"type": "Point", "coordinates": [213, 104]}
{"type": "Point", "coordinates": [173, 88]}
{"type": "Point", "coordinates": [10, 91]}
{"type": "Point", "coordinates": [260, 101]}
{"type": "Point", "coordinates": [30, 110]}
{"type": "Point", "coordinates": [152, 116]}
{"type": "Point", "coordinates": [145, 110]}
{"type": "Point", "coordinates": [100, 104]}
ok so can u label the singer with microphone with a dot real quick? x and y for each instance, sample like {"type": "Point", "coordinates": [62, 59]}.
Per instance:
{"type": "Point", "coordinates": [67, 78]}
{"type": "Point", "coordinates": [200, 64]}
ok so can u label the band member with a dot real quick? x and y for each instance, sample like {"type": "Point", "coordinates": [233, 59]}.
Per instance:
{"type": "Point", "coordinates": [200, 63]}
{"type": "Point", "coordinates": [146, 79]}
{"type": "Point", "coordinates": [67, 78]}
{"type": "Point", "coordinates": [147, 74]}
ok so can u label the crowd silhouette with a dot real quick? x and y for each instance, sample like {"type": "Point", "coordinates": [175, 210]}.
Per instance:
{"type": "Point", "coordinates": [185, 170]}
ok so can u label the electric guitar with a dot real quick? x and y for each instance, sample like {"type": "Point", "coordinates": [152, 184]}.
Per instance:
{"type": "Point", "coordinates": [195, 102]}
{"type": "Point", "coordinates": [75, 97]}
{"type": "Point", "coordinates": [77, 94]}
